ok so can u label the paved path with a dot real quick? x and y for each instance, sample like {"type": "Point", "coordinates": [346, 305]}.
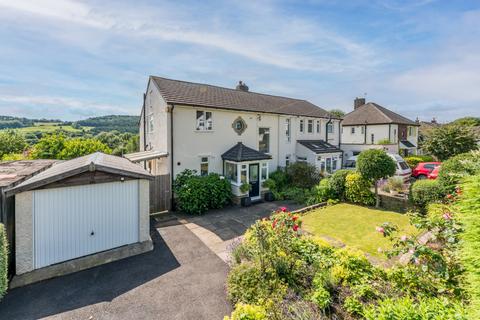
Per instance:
{"type": "Point", "coordinates": [219, 229]}
{"type": "Point", "coordinates": [180, 279]}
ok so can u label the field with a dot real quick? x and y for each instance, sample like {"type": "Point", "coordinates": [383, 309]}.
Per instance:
{"type": "Point", "coordinates": [354, 226]}
{"type": "Point", "coordinates": [47, 127]}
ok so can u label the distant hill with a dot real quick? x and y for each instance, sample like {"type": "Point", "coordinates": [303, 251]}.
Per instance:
{"type": "Point", "coordinates": [120, 123]}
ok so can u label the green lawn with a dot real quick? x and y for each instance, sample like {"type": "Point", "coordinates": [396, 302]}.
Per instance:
{"type": "Point", "coordinates": [355, 226]}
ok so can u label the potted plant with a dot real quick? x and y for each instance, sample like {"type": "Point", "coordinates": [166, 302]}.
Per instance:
{"type": "Point", "coordinates": [269, 184]}
{"type": "Point", "coordinates": [245, 189]}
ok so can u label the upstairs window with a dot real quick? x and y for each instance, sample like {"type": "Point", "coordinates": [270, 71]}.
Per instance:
{"type": "Point", "coordinates": [302, 123]}
{"type": "Point", "coordinates": [318, 126]}
{"type": "Point", "coordinates": [204, 121]}
{"type": "Point", "coordinates": [363, 130]}
{"type": "Point", "coordinates": [372, 136]}
{"type": "Point", "coordinates": [310, 126]}
{"type": "Point", "coordinates": [264, 140]}
{"type": "Point", "coordinates": [288, 129]}
{"type": "Point", "coordinates": [330, 128]}
{"type": "Point", "coordinates": [353, 130]}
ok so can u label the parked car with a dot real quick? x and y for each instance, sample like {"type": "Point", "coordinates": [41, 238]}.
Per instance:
{"type": "Point", "coordinates": [423, 169]}
{"type": "Point", "coordinates": [403, 170]}
{"type": "Point", "coordinates": [434, 174]}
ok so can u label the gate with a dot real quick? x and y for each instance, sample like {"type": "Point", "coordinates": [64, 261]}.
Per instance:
{"type": "Point", "coordinates": [160, 193]}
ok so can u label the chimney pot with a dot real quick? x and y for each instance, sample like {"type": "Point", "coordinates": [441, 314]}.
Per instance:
{"type": "Point", "coordinates": [242, 86]}
{"type": "Point", "coordinates": [358, 102]}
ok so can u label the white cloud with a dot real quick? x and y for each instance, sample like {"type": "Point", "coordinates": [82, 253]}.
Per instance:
{"type": "Point", "coordinates": [264, 36]}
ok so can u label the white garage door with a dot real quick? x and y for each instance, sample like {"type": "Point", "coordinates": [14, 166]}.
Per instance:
{"type": "Point", "coordinates": [76, 221]}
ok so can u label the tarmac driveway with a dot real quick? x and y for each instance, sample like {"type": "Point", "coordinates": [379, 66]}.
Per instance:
{"type": "Point", "coordinates": [180, 279]}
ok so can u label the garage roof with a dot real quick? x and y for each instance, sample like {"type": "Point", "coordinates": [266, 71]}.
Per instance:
{"type": "Point", "coordinates": [97, 161]}
{"type": "Point", "coordinates": [14, 172]}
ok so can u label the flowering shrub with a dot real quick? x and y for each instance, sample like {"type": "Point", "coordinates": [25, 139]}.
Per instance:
{"type": "Point", "coordinates": [357, 189]}
{"type": "Point", "coordinates": [247, 312]}
{"type": "Point", "coordinates": [424, 192]}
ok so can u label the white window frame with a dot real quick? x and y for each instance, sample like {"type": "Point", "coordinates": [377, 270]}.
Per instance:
{"type": "Point", "coordinates": [318, 126]}
{"type": "Point", "coordinates": [352, 130]}
{"type": "Point", "coordinates": [330, 128]}
{"type": "Point", "coordinates": [288, 129]}
{"type": "Point", "coordinates": [302, 126]}
{"type": "Point", "coordinates": [263, 166]}
{"type": "Point", "coordinates": [203, 160]}
{"type": "Point", "coordinates": [236, 171]}
{"type": "Point", "coordinates": [268, 142]}
{"type": "Point", "coordinates": [202, 125]}
{"type": "Point", "coordinates": [372, 138]}
{"type": "Point", "coordinates": [310, 126]}
{"type": "Point", "coordinates": [363, 129]}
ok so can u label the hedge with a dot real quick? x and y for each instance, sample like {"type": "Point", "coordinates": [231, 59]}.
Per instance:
{"type": "Point", "coordinates": [357, 189]}
{"type": "Point", "coordinates": [457, 168]}
{"type": "Point", "coordinates": [3, 261]}
{"type": "Point", "coordinates": [469, 207]}
{"type": "Point", "coordinates": [424, 192]}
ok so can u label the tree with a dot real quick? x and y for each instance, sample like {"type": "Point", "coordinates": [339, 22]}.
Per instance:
{"type": "Point", "coordinates": [337, 113]}
{"type": "Point", "coordinates": [11, 142]}
{"type": "Point", "coordinates": [467, 121]}
{"type": "Point", "coordinates": [78, 147]}
{"type": "Point", "coordinates": [447, 141]}
{"type": "Point", "coordinates": [49, 146]}
{"type": "Point", "coordinates": [374, 165]}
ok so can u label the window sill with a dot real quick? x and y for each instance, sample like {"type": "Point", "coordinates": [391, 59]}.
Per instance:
{"type": "Point", "coordinates": [203, 131]}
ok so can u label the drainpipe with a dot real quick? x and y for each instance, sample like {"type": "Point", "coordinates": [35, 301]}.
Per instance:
{"type": "Point", "coordinates": [144, 129]}
{"type": "Point", "coordinates": [365, 133]}
{"type": "Point", "coordinates": [326, 128]}
{"type": "Point", "coordinates": [171, 157]}
{"type": "Point", "coordinates": [389, 132]}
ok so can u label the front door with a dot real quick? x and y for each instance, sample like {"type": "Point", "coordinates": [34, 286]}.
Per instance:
{"type": "Point", "coordinates": [254, 180]}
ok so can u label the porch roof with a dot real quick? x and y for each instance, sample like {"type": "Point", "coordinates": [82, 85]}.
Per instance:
{"type": "Point", "coordinates": [319, 146]}
{"type": "Point", "coordinates": [407, 144]}
{"type": "Point", "coordinates": [145, 155]}
{"type": "Point", "coordinates": [240, 153]}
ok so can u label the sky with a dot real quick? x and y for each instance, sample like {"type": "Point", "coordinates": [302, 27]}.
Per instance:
{"type": "Point", "coordinates": [68, 59]}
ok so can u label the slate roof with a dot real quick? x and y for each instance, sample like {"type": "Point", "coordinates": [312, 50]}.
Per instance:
{"type": "Point", "coordinates": [97, 161]}
{"type": "Point", "coordinates": [319, 146]}
{"type": "Point", "coordinates": [240, 153]}
{"type": "Point", "coordinates": [372, 113]}
{"type": "Point", "coordinates": [407, 144]}
{"type": "Point", "coordinates": [197, 94]}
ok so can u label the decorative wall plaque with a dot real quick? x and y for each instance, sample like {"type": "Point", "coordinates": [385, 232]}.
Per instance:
{"type": "Point", "coordinates": [239, 125]}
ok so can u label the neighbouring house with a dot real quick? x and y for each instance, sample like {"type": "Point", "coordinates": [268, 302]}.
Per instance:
{"type": "Point", "coordinates": [78, 214]}
{"type": "Point", "coordinates": [370, 125]}
{"type": "Point", "coordinates": [240, 134]}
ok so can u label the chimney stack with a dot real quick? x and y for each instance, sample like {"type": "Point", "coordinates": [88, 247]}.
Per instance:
{"type": "Point", "coordinates": [242, 86]}
{"type": "Point", "coordinates": [358, 102]}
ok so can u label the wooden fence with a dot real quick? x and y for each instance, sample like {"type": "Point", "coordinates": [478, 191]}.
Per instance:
{"type": "Point", "coordinates": [160, 192]}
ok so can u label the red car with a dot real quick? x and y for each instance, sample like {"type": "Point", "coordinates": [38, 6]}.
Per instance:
{"type": "Point", "coordinates": [434, 174]}
{"type": "Point", "coordinates": [423, 169]}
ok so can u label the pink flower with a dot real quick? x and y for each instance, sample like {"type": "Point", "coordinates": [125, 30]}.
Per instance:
{"type": "Point", "coordinates": [449, 196]}
{"type": "Point", "coordinates": [404, 238]}
{"type": "Point", "coordinates": [274, 223]}
{"type": "Point", "coordinates": [283, 209]}
{"type": "Point", "coordinates": [447, 216]}
{"type": "Point", "coordinates": [380, 229]}
{"type": "Point", "coordinates": [295, 227]}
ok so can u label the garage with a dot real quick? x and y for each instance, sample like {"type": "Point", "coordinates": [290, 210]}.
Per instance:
{"type": "Point", "coordinates": [78, 214]}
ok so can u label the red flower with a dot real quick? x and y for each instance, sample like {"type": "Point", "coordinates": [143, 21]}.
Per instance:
{"type": "Point", "coordinates": [449, 196]}
{"type": "Point", "coordinates": [294, 218]}
{"type": "Point", "coordinates": [274, 223]}
{"type": "Point", "coordinates": [295, 227]}
{"type": "Point", "coordinates": [283, 209]}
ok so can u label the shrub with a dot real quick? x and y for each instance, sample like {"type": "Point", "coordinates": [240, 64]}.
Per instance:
{"type": "Point", "coordinates": [247, 283]}
{"type": "Point", "coordinates": [384, 141]}
{"type": "Point", "coordinates": [337, 183]}
{"type": "Point", "coordinates": [197, 194]}
{"type": "Point", "coordinates": [303, 175]}
{"type": "Point", "coordinates": [456, 168]}
{"type": "Point", "coordinates": [450, 140]}
{"type": "Point", "coordinates": [322, 192]}
{"type": "Point", "coordinates": [413, 161]}
{"type": "Point", "coordinates": [280, 179]}
{"type": "Point", "coordinates": [408, 309]}
{"type": "Point", "coordinates": [247, 312]}
{"type": "Point", "coordinates": [3, 261]}
{"type": "Point", "coordinates": [321, 297]}
{"type": "Point", "coordinates": [357, 189]}
{"type": "Point", "coordinates": [424, 192]}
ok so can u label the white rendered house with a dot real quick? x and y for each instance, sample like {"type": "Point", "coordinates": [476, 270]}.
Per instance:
{"type": "Point", "coordinates": [370, 126]}
{"type": "Point", "coordinates": [233, 132]}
